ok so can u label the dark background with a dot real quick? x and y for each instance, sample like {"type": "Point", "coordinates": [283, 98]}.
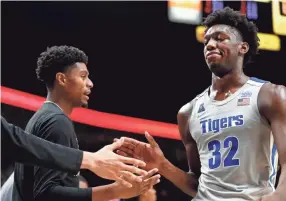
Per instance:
{"type": "Point", "coordinates": [142, 64]}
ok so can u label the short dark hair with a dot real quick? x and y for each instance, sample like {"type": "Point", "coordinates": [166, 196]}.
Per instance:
{"type": "Point", "coordinates": [247, 29]}
{"type": "Point", "coordinates": [57, 59]}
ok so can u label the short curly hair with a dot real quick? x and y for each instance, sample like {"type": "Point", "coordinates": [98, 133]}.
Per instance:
{"type": "Point", "coordinates": [247, 29]}
{"type": "Point", "coordinates": [57, 59]}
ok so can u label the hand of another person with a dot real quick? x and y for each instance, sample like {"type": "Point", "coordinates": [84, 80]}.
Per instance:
{"type": "Point", "coordinates": [137, 188]}
{"type": "Point", "coordinates": [149, 195]}
{"type": "Point", "coordinates": [109, 165]}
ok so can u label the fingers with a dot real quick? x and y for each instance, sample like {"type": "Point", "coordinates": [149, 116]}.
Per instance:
{"type": "Point", "coordinates": [127, 150]}
{"type": "Point", "coordinates": [151, 140]}
{"type": "Point", "coordinates": [121, 180]}
{"type": "Point", "coordinates": [133, 169]}
{"type": "Point", "coordinates": [144, 190]}
{"type": "Point", "coordinates": [152, 180]}
{"type": "Point", "coordinates": [151, 173]}
{"type": "Point", "coordinates": [127, 144]}
{"type": "Point", "coordinates": [122, 153]}
{"type": "Point", "coordinates": [127, 139]}
{"type": "Point", "coordinates": [133, 142]}
{"type": "Point", "coordinates": [130, 177]}
{"type": "Point", "coordinates": [116, 144]}
{"type": "Point", "coordinates": [130, 140]}
{"type": "Point", "coordinates": [132, 161]}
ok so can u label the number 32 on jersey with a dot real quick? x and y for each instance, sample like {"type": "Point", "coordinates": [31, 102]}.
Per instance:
{"type": "Point", "coordinates": [230, 144]}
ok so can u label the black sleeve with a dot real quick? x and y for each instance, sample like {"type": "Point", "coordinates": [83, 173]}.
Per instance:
{"type": "Point", "coordinates": [51, 184]}
{"type": "Point", "coordinates": [19, 146]}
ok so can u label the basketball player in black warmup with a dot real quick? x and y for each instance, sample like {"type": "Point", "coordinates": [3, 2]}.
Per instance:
{"type": "Point", "coordinates": [37, 151]}
{"type": "Point", "coordinates": [64, 71]}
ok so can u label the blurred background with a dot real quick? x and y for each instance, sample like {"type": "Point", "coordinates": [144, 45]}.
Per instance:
{"type": "Point", "coordinates": [145, 59]}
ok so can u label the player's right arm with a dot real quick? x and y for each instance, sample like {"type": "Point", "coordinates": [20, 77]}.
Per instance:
{"type": "Point", "coordinates": [153, 156]}
{"type": "Point", "coordinates": [186, 181]}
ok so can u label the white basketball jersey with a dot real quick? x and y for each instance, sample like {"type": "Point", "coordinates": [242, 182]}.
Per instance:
{"type": "Point", "coordinates": [236, 147]}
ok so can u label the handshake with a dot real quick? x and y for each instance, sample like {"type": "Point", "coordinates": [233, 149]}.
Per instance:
{"type": "Point", "coordinates": [132, 164]}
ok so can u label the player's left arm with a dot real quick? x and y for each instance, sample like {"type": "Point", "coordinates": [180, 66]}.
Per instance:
{"type": "Point", "coordinates": [272, 106]}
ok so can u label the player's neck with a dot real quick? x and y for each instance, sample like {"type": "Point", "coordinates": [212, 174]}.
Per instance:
{"type": "Point", "coordinates": [65, 105]}
{"type": "Point", "coordinates": [229, 82]}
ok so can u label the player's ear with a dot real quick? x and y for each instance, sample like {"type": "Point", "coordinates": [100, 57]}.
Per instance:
{"type": "Point", "coordinates": [61, 79]}
{"type": "Point", "coordinates": [243, 48]}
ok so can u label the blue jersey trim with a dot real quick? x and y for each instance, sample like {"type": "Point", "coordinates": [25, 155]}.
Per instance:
{"type": "Point", "coordinates": [257, 80]}
{"type": "Point", "coordinates": [274, 149]}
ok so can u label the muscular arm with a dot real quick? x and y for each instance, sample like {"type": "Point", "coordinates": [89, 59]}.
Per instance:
{"type": "Point", "coordinates": [186, 181]}
{"type": "Point", "coordinates": [272, 105]}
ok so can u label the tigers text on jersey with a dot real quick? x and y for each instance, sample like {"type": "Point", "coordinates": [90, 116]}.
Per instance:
{"type": "Point", "coordinates": [236, 147]}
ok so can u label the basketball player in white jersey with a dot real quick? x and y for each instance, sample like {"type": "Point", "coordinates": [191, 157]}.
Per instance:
{"type": "Point", "coordinates": [231, 131]}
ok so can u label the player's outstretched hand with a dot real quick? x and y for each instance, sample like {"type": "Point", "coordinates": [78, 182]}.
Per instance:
{"type": "Point", "coordinates": [137, 188]}
{"type": "Point", "coordinates": [150, 153]}
{"type": "Point", "coordinates": [109, 165]}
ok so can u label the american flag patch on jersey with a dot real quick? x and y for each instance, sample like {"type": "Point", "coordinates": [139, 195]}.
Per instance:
{"type": "Point", "coordinates": [243, 101]}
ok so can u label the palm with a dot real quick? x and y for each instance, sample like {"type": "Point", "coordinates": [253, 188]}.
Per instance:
{"type": "Point", "coordinates": [127, 193]}
{"type": "Point", "coordinates": [151, 153]}
{"type": "Point", "coordinates": [152, 156]}
{"type": "Point", "coordinates": [138, 187]}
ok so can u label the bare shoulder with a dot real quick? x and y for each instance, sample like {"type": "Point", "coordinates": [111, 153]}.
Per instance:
{"type": "Point", "coordinates": [273, 89]}
{"type": "Point", "coordinates": [272, 98]}
{"type": "Point", "coordinates": [186, 110]}
{"type": "Point", "coordinates": [272, 92]}
{"type": "Point", "coordinates": [183, 117]}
